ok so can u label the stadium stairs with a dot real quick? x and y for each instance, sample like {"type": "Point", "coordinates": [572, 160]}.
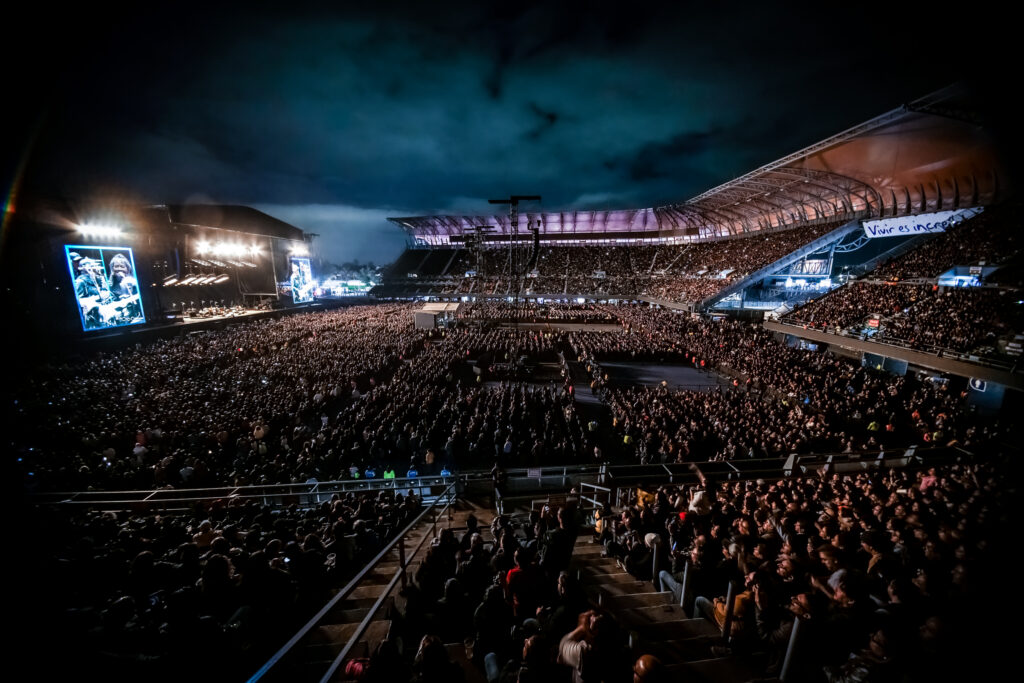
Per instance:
{"type": "Point", "coordinates": [657, 625]}
{"type": "Point", "coordinates": [451, 260]}
{"type": "Point", "coordinates": [423, 261]}
{"type": "Point", "coordinates": [784, 262]}
{"type": "Point", "coordinates": [370, 603]}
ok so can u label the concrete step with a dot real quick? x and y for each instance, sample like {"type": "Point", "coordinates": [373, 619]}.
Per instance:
{"type": "Point", "coordinates": [360, 594]}
{"type": "Point", "coordinates": [680, 629]}
{"type": "Point", "coordinates": [381, 574]}
{"type": "Point", "coordinates": [625, 588]}
{"type": "Point", "coordinates": [601, 579]}
{"type": "Point", "coordinates": [627, 601]}
{"type": "Point", "coordinates": [340, 634]}
{"type": "Point", "coordinates": [587, 550]}
{"type": "Point", "coordinates": [363, 602]}
{"type": "Point", "coordinates": [676, 651]}
{"type": "Point", "coordinates": [346, 614]}
{"type": "Point", "coordinates": [594, 566]}
{"type": "Point", "coordinates": [592, 560]}
{"type": "Point", "coordinates": [644, 616]}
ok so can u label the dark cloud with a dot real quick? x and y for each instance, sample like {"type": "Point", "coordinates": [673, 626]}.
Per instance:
{"type": "Point", "coordinates": [657, 159]}
{"type": "Point", "coordinates": [340, 116]}
{"type": "Point", "coordinates": [546, 120]}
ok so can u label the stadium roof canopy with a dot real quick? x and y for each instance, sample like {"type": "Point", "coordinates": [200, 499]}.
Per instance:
{"type": "Point", "coordinates": [930, 155]}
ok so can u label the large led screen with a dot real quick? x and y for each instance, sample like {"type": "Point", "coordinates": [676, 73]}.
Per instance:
{"type": "Point", "coordinates": [106, 287]}
{"type": "Point", "coordinates": [301, 280]}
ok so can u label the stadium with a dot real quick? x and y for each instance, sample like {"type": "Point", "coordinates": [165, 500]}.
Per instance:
{"type": "Point", "coordinates": [764, 433]}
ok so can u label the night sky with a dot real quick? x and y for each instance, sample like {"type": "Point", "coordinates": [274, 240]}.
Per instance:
{"type": "Point", "coordinates": [334, 119]}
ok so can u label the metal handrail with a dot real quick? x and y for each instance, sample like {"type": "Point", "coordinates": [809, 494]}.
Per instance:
{"type": "Point", "coordinates": [319, 489]}
{"type": "Point", "coordinates": [984, 360]}
{"type": "Point", "coordinates": [323, 487]}
{"type": "Point", "coordinates": [351, 586]}
{"type": "Point", "coordinates": [400, 573]}
{"type": "Point", "coordinates": [583, 485]}
{"type": "Point", "coordinates": [306, 487]}
{"type": "Point", "coordinates": [604, 474]}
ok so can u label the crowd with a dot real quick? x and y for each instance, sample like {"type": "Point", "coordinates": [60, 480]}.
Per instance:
{"type": "Point", "coordinates": [204, 409]}
{"type": "Point", "coordinates": [659, 425]}
{"type": "Point", "coordinates": [847, 306]}
{"type": "Point", "coordinates": [142, 596]}
{"type": "Point", "coordinates": [807, 400]}
{"type": "Point", "coordinates": [686, 288]}
{"type": "Point", "coordinates": [698, 271]}
{"type": "Point", "coordinates": [687, 272]}
{"type": "Point", "coordinates": [958, 319]}
{"type": "Point", "coordinates": [169, 597]}
{"type": "Point", "coordinates": [321, 396]}
{"type": "Point", "coordinates": [329, 396]}
{"type": "Point", "coordinates": [343, 394]}
{"type": "Point", "coordinates": [989, 238]}
{"type": "Point", "coordinates": [503, 311]}
{"type": "Point", "coordinates": [923, 317]}
{"type": "Point", "coordinates": [885, 569]}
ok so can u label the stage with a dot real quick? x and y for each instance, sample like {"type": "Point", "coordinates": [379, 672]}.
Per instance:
{"type": "Point", "coordinates": [121, 337]}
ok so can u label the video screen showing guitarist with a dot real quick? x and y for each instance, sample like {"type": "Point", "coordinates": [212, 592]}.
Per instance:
{"type": "Point", "coordinates": [105, 286]}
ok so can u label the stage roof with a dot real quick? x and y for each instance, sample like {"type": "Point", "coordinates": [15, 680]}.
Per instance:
{"type": "Point", "coordinates": [66, 214]}
{"type": "Point", "coordinates": [929, 155]}
{"type": "Point", "coordinates": [230, 217]}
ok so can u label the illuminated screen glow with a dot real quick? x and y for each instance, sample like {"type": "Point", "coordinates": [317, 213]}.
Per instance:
{"type": "Point", "coordinates": [301, 280]}
{"type": "Point", "coordinates": [105, 286]}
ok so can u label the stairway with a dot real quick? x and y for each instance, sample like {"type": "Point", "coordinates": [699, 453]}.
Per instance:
{"type": "Point", "coordinates": [312, 656]}
{"type": "Point", "coordinates": [656, 624]}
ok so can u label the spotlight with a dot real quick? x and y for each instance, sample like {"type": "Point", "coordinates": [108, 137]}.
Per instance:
{"type": "Point", "coordinates": [96, 230]}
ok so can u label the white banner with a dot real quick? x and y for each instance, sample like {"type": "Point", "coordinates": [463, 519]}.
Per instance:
{"type": "Point", "coordinates": [917, 225]}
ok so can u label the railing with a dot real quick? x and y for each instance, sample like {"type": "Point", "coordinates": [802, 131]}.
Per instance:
{"type": "Point", "coordinates": [314, 493]}
{"type": "Point", "coordinates": [597, 492]}
{"type": "Point", "coordinates": [996, 362]}
{"type": "Point", "coordinates": [309, 493]}
{"type": "Point", "coordinates": [405, 559]}
{"type": "Point", "coordinates": [624, 479]}
{"type": "Point", "coordinates": [525, 480]}
{"type": "Point", "coordinates": [599, 498]}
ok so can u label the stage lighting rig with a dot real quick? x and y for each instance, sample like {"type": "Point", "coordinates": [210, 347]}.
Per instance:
{"type": "Point", "coordinates": [97, 230]}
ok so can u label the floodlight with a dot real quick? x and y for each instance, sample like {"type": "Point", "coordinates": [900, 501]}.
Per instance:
{"type": "Point", "coordinates": [97, 230]}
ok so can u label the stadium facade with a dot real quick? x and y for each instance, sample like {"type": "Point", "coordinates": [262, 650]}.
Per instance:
{"type": "Point", "coordinates": [926, 158]}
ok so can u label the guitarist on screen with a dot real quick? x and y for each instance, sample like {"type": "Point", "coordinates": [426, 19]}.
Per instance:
{"type": "Point", "coordinates": [125, 289]}
{"type": "Point", "coordinates": [92, 290]}
{"type": "Point", "coordinates": [105, 304]}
